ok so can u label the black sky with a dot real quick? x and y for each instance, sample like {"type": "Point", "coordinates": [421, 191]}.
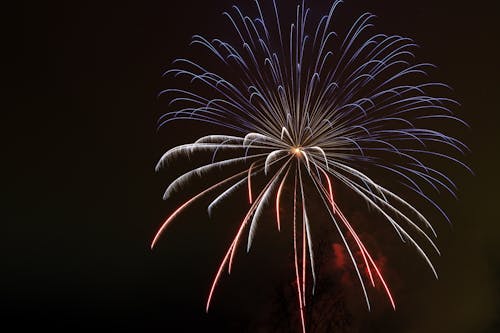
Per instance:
{"type": "Point", "coordinates": [83, 200]}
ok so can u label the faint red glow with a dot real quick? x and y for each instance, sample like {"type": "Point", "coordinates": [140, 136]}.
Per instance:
{"type": "Point", "coordinates": [339, 258]}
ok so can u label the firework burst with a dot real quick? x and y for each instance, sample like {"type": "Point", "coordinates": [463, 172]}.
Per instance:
{"type": "Point", "coordinates": [305, 105]}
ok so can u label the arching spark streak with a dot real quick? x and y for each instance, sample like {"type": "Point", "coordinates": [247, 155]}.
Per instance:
{"type": "Point", "coordinates": [304, 235]}
{"type": "Point", "coordinates": [330, 189]}
{"type": "Point", "coordinates": [296, 259]}
{"type": "Point", "coordinates": [187, 203]}
{"type": "Point", "coordinates": [351, 230]}
{"type": "Point", "coordinates": [230, 252]}
{"type": "Point", "coordinates": [250, 183]}
{"type": "Point", "coordinates": [362, 249]}
{"type": "Point", "coordinates": [252, 210]}
{"type": "Point", "coordinates": [355, 107]}
{"type": "Point", "coordinates": [304, 262]}
{"type": "Point", "coordinates": [303, 246]}
{"type": "Point", "coordinates": [278, 196]}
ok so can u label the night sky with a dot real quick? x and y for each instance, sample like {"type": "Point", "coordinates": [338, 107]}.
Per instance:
{"type": "Point", "coordinates": [83, 201]}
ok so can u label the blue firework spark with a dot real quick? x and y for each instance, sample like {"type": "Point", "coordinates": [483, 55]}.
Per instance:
{"type": "Point", "coordinates": [301, 102]}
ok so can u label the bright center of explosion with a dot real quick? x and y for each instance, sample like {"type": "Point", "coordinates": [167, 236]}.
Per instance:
{"type": "Point", "coordinates": [296, 151]}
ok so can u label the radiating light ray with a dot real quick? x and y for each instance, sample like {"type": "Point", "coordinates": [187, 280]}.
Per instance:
{"type": "Point", "coordinates": [392, 208]}
{"type": "Point", "coordinates": [183, 179]}
{"type": "Point", "coordinates": [360, 278]}
{"type": "Point", "coordinates": [307, 238]}
{"type": "Point", "coordinates": [231, 251]}
{"type": "Point", "coordinates": [361, 246]}
{"type": "Point", "coordinates": [265, 196]}
{"type": "Point", "coordinates": [401, 231]}
{"type": "Point", "coordinates": [230, 190]}
{"type": "Point", "coordinates": [347, 224]}
{"type": "Point", "coordinates": [187, 203]}
{"type": "Point", "coordinates": [278, 196]}
{"type": "Point", "coordinates": [250, 196]}
{"type": "Point", "coordinates": [304, 253]}
{"type": "Point", "coordinates": [296, 259]}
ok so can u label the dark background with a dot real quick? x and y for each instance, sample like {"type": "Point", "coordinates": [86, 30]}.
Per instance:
{"type": "Point", "coordinates": [83, 202]}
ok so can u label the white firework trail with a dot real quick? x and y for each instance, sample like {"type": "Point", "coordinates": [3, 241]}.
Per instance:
{"type": "Point", "coordinates": [305, 103]}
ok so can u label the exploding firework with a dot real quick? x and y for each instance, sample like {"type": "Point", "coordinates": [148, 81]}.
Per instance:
{"type": "Point", "coordinates": [303, 105]}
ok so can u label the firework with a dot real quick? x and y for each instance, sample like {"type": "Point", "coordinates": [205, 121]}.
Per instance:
{"type": "Point", "coordinates": [305, 105]}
